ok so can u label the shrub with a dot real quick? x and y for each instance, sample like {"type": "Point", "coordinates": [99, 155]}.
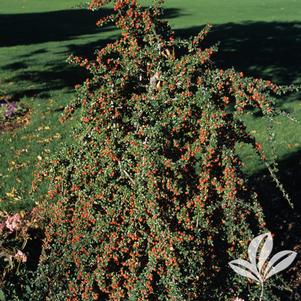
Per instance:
{"type": "Point", "coordinates": [150, 202]}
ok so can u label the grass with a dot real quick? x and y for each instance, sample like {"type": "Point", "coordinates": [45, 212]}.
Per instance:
{"type": "Point", "coordinates": [260, 37]}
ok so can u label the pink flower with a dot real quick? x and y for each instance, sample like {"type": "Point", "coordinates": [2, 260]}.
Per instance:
{"type": "Point", "coordinates": [238, 299]}
{"type": "Point", "coordinates": [20, 256]}
{"type": "Point", "coordinates": [13, 223]}
{"type": "Point", "coordinates": [35, 210]}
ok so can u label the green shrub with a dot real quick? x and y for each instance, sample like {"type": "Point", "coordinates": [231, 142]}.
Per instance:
{"type": "Point", "coordinates": [150, 202]}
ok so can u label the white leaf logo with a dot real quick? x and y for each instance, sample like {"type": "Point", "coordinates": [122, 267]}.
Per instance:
{"type": "Point", "coordinates": [258, 268]}
{"type": "Point", "coordinates": [287, 259]}
{"type": "Point", "coordinates": [245, 268]}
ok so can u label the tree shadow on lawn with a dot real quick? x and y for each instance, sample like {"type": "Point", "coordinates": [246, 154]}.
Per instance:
{"type": "Point", "coordinates": [271, 50]}
{"type": "Point", "coordinates": [55, 75]}
{"type": "Point", "coordinates": [282, 220]}
{"type": "Point", "coordinates": [66, 25]}
{"type": "Point", "coordinates": [42, 84]}
{"type": "Point", "coordinates": [33, 28]}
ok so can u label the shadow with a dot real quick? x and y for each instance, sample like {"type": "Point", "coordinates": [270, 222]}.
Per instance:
{"type": "Point", "coordinates": [33, 28]}
{"type": "Point", "coordinates": [282, 220]}
{"type": "Point", "coordinates": [271, 50]}
{"type": "Point", "coordinates": [41, 93]}
{"type": "Point", "coordinates": [66, 25]}
{"type": "Point", "coordinates": [55, 75]}
{"type": "Point", "coordinates": [15, 66]}
{"type": "Point", "coordinates": [32, 53]}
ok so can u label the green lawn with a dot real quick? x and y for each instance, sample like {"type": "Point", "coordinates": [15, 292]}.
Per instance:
{"type": "Point", "coordinates": [259, 37]}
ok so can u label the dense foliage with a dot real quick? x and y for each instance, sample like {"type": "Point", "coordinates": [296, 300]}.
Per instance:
{"type": "Point", "coordinates": [150, 202]}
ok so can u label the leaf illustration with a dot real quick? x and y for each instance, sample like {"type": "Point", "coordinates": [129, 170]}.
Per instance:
{"type": "Point", "coordinates": [265, 251]}
{"type": "Point", "coordinates": [246, 269]}
{"type": "Point", "coordinates": [287, 258]}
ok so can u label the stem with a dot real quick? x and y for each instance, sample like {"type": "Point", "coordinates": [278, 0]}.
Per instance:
{"type": "Point", "coordinates": [261, 294]}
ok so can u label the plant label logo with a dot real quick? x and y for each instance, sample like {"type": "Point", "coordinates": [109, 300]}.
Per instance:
{"type": "Point", "coordinates": [258, 268]}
